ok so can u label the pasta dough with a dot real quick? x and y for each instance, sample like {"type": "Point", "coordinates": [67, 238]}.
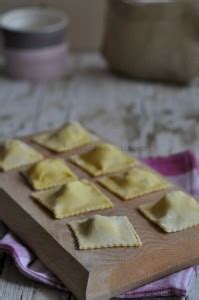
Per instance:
{"type": "Point", "coordinates": [15, 154]}
{"type": "Point", "coordinates": [49, 173]}
{"type": "Point", "coordinates": [174, 212]}
{"type": "Point", "coordinates": [70, 136]}
{"type": "Point", "coordinates": [73, 198]}
{"type": "Point", "coordinates": [105, 232]}
{"type": "Point", "coordinates": [103, 159]}
{"type": "Point", "coordinates": [133, 183]}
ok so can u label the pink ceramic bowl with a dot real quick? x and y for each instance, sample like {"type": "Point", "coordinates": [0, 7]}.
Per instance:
{"type": "Point", "coordinates": [37, 64]}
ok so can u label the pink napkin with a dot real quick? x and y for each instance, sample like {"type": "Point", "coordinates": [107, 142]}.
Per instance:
{"type": "Point", "coordinates": [182, 169]}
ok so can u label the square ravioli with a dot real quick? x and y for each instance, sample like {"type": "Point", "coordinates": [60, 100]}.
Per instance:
{"type": "Point", "coordinates": [49, 173]}
{"type": "Point", "coordinates": [174, 212]}
{"type": "Point", "coordinates": [133, 183]}
{"type": "Point", "coordinates": [105, 232]}
{"type": "Point", "coordinates": [102, 159]}
{"type": "Point", "coordinates": [73, 198]}
{"type": "Point", "coordinates": [71, 136]}
{"type": "Point", "coordinates": [15, 154]}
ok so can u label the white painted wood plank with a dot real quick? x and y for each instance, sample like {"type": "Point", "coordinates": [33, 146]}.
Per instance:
{"type": "Point", "coordinates": [13, 286]}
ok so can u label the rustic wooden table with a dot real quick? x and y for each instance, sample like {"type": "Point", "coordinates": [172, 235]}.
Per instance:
{"type": "Point", "coordinates": [146, 118]}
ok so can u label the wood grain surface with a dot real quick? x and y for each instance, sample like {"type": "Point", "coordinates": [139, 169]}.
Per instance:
{"type": "Point", "coordinates": [144, 117]}
{"type": "Point", "coordinates": [100, 273]}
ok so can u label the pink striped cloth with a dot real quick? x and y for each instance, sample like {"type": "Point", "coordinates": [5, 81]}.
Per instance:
{"type": "Point", "coordinates": [182, 169]}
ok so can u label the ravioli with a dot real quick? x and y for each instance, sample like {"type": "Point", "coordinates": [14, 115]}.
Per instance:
{"type": "Point", "coordinates": [135, 182]}
{"type": "Point", "coordinates": [15, 154]}
{"type": "Point", "coordinates": [102, 159]}
{"type": "Point", "coordinates": [105, 232]}
{"type": "Point", "coordinates": [73, 198]}
{"type": "Point", "coordinates": [70, 136]}
{"type": "Point", "coordinates": [174, 212]}
{"type": "Point", "coordinates": [49, 173]}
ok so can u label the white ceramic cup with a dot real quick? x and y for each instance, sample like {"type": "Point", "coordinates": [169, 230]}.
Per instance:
{"type": "Point", "coordinates": [35, 43]}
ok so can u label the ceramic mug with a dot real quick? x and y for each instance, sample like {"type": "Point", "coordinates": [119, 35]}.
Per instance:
{"type": "Point", "coordinates": [35, 44]}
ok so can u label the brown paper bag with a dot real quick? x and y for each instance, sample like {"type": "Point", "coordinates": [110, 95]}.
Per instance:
{"type": "Point", "coordinates": [153, 39]}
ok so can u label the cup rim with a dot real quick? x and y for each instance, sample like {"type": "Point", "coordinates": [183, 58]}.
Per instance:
{"type": "Point", "coordinates": [61, 22]}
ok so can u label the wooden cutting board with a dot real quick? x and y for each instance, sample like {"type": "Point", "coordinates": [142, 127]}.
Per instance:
{"type": "Point", "coordinates": [102, 273]}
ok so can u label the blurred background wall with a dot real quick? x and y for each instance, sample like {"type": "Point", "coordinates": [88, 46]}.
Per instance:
{"type": "Point", "coordinates": [86, 19]}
